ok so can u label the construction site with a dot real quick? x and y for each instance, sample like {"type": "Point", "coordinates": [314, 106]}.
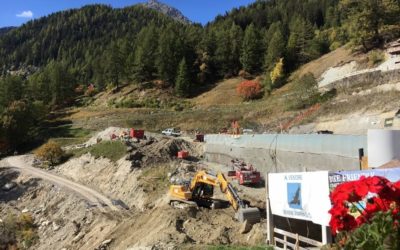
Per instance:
{"type": "Point", "coordinates": [236, 175]}
{"type": "Point", "coordinates": [171, 192]}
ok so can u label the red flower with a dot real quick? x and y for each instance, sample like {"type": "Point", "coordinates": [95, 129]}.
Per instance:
{"type": "Point", "coordinates": [361, 188]}
{"type": "Point", "coordinates": [387, 199]}
{"type": "Point", "coordinates": [376, 183]}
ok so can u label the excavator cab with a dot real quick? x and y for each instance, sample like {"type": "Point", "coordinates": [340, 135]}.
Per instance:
{"type": "Point", "coordinates": [203, 190]}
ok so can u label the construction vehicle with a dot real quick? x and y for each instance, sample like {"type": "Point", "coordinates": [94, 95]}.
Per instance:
{"type": "Point", "coordinates": [200, 190]}
{"type": "Point", "coordinates": [245, 174]}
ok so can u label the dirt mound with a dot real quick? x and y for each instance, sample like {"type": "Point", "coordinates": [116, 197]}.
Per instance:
{"type": "Point", "coordinates": [105, 135]}
{"type": "Point", "coordinates": [166, 149]}
{"type": "Point", "coordinates": [170, 228]}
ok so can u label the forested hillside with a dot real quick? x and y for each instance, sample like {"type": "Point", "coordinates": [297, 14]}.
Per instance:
{"type": "Point", "coordinates": [105, 47]}
{"type": "Point", "coordinates": [5, 30]}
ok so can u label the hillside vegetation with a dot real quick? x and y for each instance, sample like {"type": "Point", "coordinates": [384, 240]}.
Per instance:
{"type": "Point", "coordinates": [78, 53]}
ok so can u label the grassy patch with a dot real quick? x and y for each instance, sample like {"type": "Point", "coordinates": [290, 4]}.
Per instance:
{"type": "Point", "coordinates": [375, 57]}
{"type": "Point", "coordinates": [113, 150]}
{"type": "Point", "coordinates": [67, 131]}
{"type": "Point", "coordinates": [155, 178]}
{"type": "Point", "coordinates": [68, 135]}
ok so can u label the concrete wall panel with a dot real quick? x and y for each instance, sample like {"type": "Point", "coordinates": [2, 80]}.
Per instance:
{"type": "Point", "coordinates": [287, 153]}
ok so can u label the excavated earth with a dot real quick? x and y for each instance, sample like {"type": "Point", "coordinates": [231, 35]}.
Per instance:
{"type": "Point", "coordinates": [145, 220]}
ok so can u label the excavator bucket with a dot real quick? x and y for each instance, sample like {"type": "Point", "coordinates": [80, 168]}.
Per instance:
{"type": "Point", "coordinates": [251, 215]}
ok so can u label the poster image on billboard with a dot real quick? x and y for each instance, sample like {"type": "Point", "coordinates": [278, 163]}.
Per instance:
{"type": "Point", "coordinates": [294, 195]}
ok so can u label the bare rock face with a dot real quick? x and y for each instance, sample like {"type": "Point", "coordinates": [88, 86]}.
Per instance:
{"type": "Point", "coordinates": [167, 10]}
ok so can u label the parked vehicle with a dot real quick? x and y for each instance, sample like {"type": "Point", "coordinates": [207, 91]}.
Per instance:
{"type": "Point", "coordinates": [171, 132]}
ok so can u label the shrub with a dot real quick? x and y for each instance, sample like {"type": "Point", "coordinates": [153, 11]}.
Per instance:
{"type": "Point", "coordinates": [305, 92]}
{"type": "Point", "coordinates": [249, 90]}
{"type": "Point", "coordinates": [18, 232]}
{"type": "Point", "coordinates": [51, 152]}
{"type": "Point", "coordinates": [375, 57]}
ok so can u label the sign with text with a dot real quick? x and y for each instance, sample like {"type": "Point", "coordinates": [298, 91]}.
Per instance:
{"type": "Point", "coordinates": [303, 195]}
{"type": "Point", "coordinates": [336, 178]}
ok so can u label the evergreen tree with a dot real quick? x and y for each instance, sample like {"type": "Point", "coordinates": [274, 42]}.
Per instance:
{"type": "Point", "coordinates": [182, 84]}
{"type": "Point", "coordinates": [299, 49]}
{"type": "Point", "coordinates": [236, 38]}
{"type": "Point", "coordinates": [17, 124]}
{"type": "Point", "coordinates": [116, 68]}
{"type": "Point", "coordinates": [366, 17]}
{"type": "Point", "coordinates": [11, 89]}
{"type": "Point", "coordinates": [144, 68]}
{"type": "Point", "coordinates": [250, 56]}
{"type": "Point", "coordinates": [170, 49]}
{"type": "Point", "coordinates": [205, 58]}
{"type": "Point", "coordinates": [273, 28]}
{"type": "Point", "coordinates": [223, 51]}
{"type": "Point", "coordinates": [276, 49]}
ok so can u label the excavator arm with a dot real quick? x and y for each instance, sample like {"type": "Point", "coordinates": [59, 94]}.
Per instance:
{"type": "Point", "coordinates": [243, 212]}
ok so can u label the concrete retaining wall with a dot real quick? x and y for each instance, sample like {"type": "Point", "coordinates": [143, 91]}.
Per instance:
{"type": "Point", "coordinates": [288, 153]}
{"type": "Point", "coordinates": [377, 77]}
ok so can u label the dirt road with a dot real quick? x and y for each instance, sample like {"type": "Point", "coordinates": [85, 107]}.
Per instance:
{"type": "Point", "coordinates": [23, 165]}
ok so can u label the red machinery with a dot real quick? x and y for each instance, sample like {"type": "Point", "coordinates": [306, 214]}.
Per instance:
{"type": "Point", "coordinates": [199, 138]}
{"type": "Point", "coordinates": [136, 133]}
{"type": "Point", "coordinates": [183, 154]}
{"type": "Point", "coordinates": [246, 174]}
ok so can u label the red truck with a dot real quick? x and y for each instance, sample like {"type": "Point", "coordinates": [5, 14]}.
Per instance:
{"type": "Point", "coordinates": [246, 174]}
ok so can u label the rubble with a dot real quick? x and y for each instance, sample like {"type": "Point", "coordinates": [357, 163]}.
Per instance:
{"type": "Point", "coordinates": [104, 245]}
{"type": "Point", "coordinates": [64, 220]}
{"type": "Point", "coordinates": [55, 226]}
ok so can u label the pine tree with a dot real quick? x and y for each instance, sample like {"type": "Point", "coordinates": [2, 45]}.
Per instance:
{"type": "Point", "coordinates": [170, 49]}
{"type": "Point", "coordinates": [206, 59]}
{"type": "Point", "coordinates": [366, 17]}
{"type": "Point", "coordinates": [144, 67]}
{"type": "Point", "coordinates": [273, 28]}
{"type": "Point", "coordinates": [182, 83]}
{"type": "Point", "coordinates": [299, 49]}
{"type": "Point", "coordinates": [236, 38]}
{"type": "Point", "coordinates": [251, 49]}
{"type": "Point", "coordinates": [116, 64]}
{"type": "Point", "coordinates": [11, 89]}
{"type": "Point", "coordinates": [276, 49]}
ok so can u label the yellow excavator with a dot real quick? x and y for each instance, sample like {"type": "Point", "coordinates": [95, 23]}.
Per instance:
{"type": "Point", "coordinates": [200, 191]}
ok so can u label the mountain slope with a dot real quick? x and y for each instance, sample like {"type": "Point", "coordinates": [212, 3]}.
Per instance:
{"type": "Point", "coordinates": [74, 35]}
{"type": "Point", "coordinates": [167, 10]}
{"type": "Point", "coordinates": [4, 30]}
